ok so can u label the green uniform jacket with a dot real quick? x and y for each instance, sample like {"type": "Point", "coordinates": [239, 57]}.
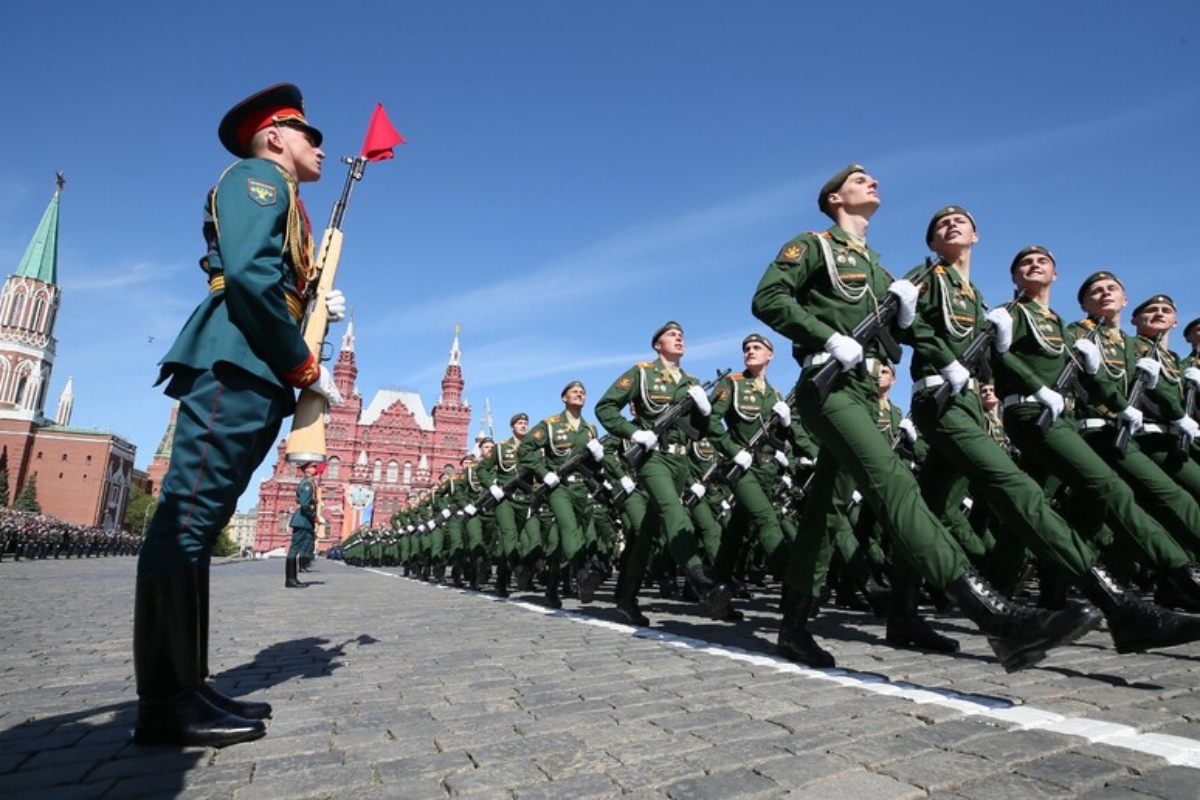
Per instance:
{"type": "Point", "coordinates": [651, 391]}
{"type": "Point", "coordinates": [247, 323]}
{"type": "Point", "coordinates": [305, 516]}
{"type": "Point", "coordinates": [738, 412]}
{"type": "Point", "coordinates": [1119, 353]}
{"type": "Point", "coordinates": [552, 442]}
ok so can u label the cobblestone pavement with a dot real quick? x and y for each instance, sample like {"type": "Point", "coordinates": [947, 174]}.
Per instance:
{"type": "Point", "coordinates": [384, 687]}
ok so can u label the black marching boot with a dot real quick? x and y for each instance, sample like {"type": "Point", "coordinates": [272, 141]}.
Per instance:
{"type": "Point", "coordinates": [290, 580]}
{"type": "Point", "coordinates": [795, 642]}
{"type": "Point", "coordinates": [1134, 624]}
{"type": "Point", "coordinates": [715, 597]}
{"type": "Point", "coordinates": [1179, 588]}
{"type": "Point", "coordinates": [587, 581]}
{"type": "Point", "coordinates": [250, 709]}
{"type": "Point", "coordinates": [1019, 635]}
{"type": "Point", "coordinates": [502, 573]}
{"type": "Point", "coordinates": [907, 629]}
{"type": "Point", "coordinates": [553, 600]}
{"type": "Point", "coordinates": [166, 657]}
{"type": "Point", "coordinates": [627, 602]}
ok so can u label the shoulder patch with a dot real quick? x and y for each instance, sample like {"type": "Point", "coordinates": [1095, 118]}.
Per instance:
{"type": "Point", "coordinates": [625, 382]}
{"type": "Point", "coordinates": [538, 434]}
{"type": "Point", "coordinates": [261, 192]}
{"type": "Point", "coordinates": [721, 393]}
{"type": "Point", "coordinates": [792, 253]}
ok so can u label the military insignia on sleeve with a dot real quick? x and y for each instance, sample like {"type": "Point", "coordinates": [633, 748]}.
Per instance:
{"type": "Point", "coordinates": [792, 253]}
{"type": "Point", "coordinates": [261, 192]}
{"type": "Point", "coordinates": [625, 382]}
{"type": "Point", "coordinates": [539, 434]}
{"type": "Point", "coordinates": [721, 393]}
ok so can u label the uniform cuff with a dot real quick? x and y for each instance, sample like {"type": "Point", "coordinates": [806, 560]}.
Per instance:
{"type": "Point", "coordinates": [304, 375]}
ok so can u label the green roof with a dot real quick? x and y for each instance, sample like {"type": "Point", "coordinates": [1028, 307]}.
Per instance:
{"type": "Point", "coordinates": [41, 257]}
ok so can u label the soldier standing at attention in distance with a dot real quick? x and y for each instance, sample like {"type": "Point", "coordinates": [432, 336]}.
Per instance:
{"type": "Point", "coordinates": [819, 287]}
{"type": "Point", "coordinates": [233, 369]}
{"type": "Point", "coordinates": [304, 523]}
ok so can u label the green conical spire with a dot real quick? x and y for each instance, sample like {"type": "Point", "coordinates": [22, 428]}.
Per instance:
{"type": "Point", "coordinates": [41, 257]}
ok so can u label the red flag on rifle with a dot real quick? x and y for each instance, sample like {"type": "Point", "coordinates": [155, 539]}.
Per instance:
{"type": "Point", "coordinates": [381, 137]}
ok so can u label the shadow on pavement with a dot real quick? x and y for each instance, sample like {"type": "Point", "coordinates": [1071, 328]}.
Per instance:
{"type": "Point", "coordinates": [278, 663]}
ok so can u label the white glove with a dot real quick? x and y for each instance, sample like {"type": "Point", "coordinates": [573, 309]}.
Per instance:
{"type": "Point", "coordinates": [698, 490]}
{"type": "Point", "coordinates": [1192, 376]}
{"type": "Point", "coordinates": [906, 292]}
{"type": "Point", "coordinates": [1132, 417]}
{"type": "Point", "coordinates": [1051, 400]}
{"type": "Point", "coordinates": [497, 492]}
{"type": "Point", "coordinates": [806, 462]}
{"type": "Point", "coordinates": [627, 484]}
{"type": "Point", "coordinates": [956, 375]}
{"type": "Point", "coordinates": [325, 387]}
{"type": "Point", "coordinates": [743, 459]}
{"type": "Point", "coordinates": [335, 304]}
{"type": "Point", "coordinates": [446, 513]}
{"type": "Point", "coordinates": [1090, 354]}
{"type": "Point", "coordinates": [725, 507]}
{"type": "Point", "coordinates": [1188, 427]}
{"type": "Point", "coordinates": [646, 439]}
{"type": "Point", "coordinates": [845, 350]}
{"type": "Point", "coordinates": [781, 458]}
{"type": "Point", "coordinates": [909, 430]}
{"type": "Point", "coordinates": [856, 498]}
{"type": "Point", "coordinates": [596, 449]}
{"type": "Point", "coordinates": [784, 413]}
{"type": "Point", "coordinates": [1000, 317]}
{"type": "Point", "coordinates": [550, 479]}
{"type": "Point", "coordinates": [786, 480]}
{"type": "Point", "coordinates": [968, 504]}
{"type": "Point", "coordinates": [698, 396]}
{"type": "Point", "coordinates": [1152, 369]}
{"type": "Point", "coordinates": [470, 510]}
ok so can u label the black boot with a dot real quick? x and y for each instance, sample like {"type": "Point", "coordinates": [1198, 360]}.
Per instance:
{"type": "Point", "coordinates": [290, 579]}
{"type": "Point", "coordinates": [240, 708]}
{"type": "Point", "coordinates": [502, 573]}
{"type": "Point", "coordinates": [1179, 588]}
{"type": "Point", "coordinates": [456, 574]}
{"type": "Point", "coordinates": [714, 596]}
{"type": "Point", "coordinates": [627, 602]}
{"type": "Point", "coordinates": [845, 591]}
{"type": "Point", "coordinates": [795, 642]}
{"type": "Point", "coordinates": [907, 629]}
{"type": "Point", "coordinates": [587, 581]}
{"type": "Point", "coordinates": [552, 597]}
{"type": "Point", "coordinates": [521, 577]}
{"type": "Point", "coordinates": [166, 645]}
{"type": "Point", "coordinates": [1052, 588]}
{"type": "Point", "coordinates": [1134, 624]}
{"type": "Point", "coordinates": [1019, 635]}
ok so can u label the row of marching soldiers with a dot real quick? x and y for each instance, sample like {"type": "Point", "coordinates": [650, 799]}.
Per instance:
{"type": "Point", "coordinates": [1104, 497]}
{"type": "Point", "coordinates": [25, 534]}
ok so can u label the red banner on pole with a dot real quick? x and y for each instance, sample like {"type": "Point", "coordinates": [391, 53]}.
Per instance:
{"type": "Point", "coordinates": [381, 137]}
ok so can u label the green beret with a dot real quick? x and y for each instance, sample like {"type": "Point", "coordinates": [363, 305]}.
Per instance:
{"type": "Point", "coordinates": [520, 415]}
{"type": "Point", "coordinates": [571, 386]}
{"type": "Point", "coordinates": [1095, 277]}
{"type": "Point", "coordinates": [1033, 248]}
{"type": "Point", "coordinates": [669, 326]}
{"type": "Point", "coordinates": [758, 337]}
{"type": "Point", "coordinates": [835, 183]}
{"type": "Point", "coordinates": [1191, 326]}
{"type": "Point", "coordinates": [945, 212]}
{"type": "Point", "coordinates": [1155, 300]}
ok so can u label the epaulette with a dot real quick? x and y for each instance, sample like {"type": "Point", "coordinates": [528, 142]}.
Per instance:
{"type": "Point", "coordinates": [554, 418]}
{"type": "Point", "coordinates": [939, 270]}
{"type": "Point", "coordinates": [737, 376]}
{"type": "Point", "coordinates": [1087, 322]}
{"type": "Point", "coordinates": [644, 364]}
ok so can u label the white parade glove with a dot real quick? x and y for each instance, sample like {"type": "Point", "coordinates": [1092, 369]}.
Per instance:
{"type": "Point", "coordinates": [335, 304]}
{"type": "Point", "coordinates": [781, 458]}
{"type": "Point", "coordinates": [1132, 417]}
{"type": "Point", "coordinates": [1152, 369]}
{"type": "Point", "coordinates": [497, 492]}
{"type": "Point", "coordinates": [784, 413]}
{"type": "Point", "coordinates": [1089, 353]}
{"type": "Point", "coordinates": [550, 479]}
{"type": "Point", "coordinates": [968, 504]}
{"type": "Point", "coordinates": [470, 510]}
{"type": "Point", "coordinates": [646, 439]}
{"type": "Point", "coordinates": [698, 490]}
{"type": "Point", "coordinates": [700, 399]}
{"type": "Point", "coordinates": [786, 480]}
{"type": "Point", "coordinates": [909, 430]}
{"type": "Point", "coordinates": [1051, 400]}
{"type": "Point", "coordinates": [743, 459]}
{"type": "Point", "coordinates": [1192, 376]}
{"type": "Point", "coordinates": [1188, 427]}
{"type": "Point", "coordinates": [906, 292]}
{"type": "Point", "coordinates": [725, 507]}
{"type": "Point", "coordinates": [596, 449]}
{"type": "Point", "coordinates": [856, 498]}
{"type": "Point", "coordinates": [845, 350]}
{"type": "Point", "coordinates": [446, 513]}
{"type": "Point", "coordinates": [806, 462]}
{"type": "Point", "coordinates": [956, 375]}
{"type": "Point", "coordinates": [627, 484]}
{"type": "Point", "coordinates": [1004, 328]}
{"type": "Point", "coordinates": [325, 387]}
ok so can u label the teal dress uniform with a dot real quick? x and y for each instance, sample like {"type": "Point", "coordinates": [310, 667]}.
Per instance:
{"type": "Point", "coordinates": [304, 527]}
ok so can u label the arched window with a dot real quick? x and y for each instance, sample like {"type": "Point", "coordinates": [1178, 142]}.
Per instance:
{"type": "Point", "coordinates": [377, 475]}
{"type": "Point", "coordinates": [393, 471]}
{"type": "Point", "coordinates": [335, 466]}
{"type": "Point", "coordinates": [14, 311]}
{"type": "Point", "coordinates": [408, 472]}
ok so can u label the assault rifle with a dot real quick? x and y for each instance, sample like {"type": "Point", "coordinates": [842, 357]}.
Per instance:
{"type": "Point", "coordinates": [487, 501]}
{"type": "Point", "coordinates": [1135, 395]}
{"type": "Point", "coordinates": [690, 499]}
{"type": "Point", "coordinates": [873, 328]}
{"type": "Point", "coordinates": [576, 462]}
{"type": "Point", "coordinates": [1189, 410]}
{"type": "Point", "coordinates": [675, 416]}
{"type": "Point", "coordinates": [974, 358]}
{"type": "Point", "coordinates": [1068, 377]}
{"type": "Point", "coordinates": [761, 437]}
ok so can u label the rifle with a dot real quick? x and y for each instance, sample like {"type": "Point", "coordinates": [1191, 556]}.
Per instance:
{"type": "Point", "coordinates": [1135, 395]}
{"type": "Point", "coordinates": [873, 328]}
{"type": "Point", "coordinates": [573, 464]}
{"type": "Point", "coordinates": [487, 501]}
{"type": "Point", "coordinates": [1189, 410]}
{"type": "Point", "coordinates": [674, 416]}
{"type": "Point", "coordinates": [1067, 378]}
{"type": "Point", "coordinates": [306, 442]}
{"type": "Point", "coordinates": [760, 437]}
{"type": "Point", "coordinates": [974, 358]}
{"type": "Point", "coordinates": [690, 499]}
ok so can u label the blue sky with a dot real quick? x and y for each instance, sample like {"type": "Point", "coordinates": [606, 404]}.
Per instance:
{"type": "Point", "coordinates": [578, 173]}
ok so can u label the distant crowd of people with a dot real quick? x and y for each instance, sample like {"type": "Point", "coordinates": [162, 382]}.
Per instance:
{"type": "Point", "coordinates": [24, 534]}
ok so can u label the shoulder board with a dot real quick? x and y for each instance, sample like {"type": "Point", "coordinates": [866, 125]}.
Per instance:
{"type": "Point", "coordinates": [554, 418]}
{"type": "Point", "coordinates": [939, 270]}
{"type": "Point", "coordinates": [1086, 323]}
{"type": "Point", "coordinates": [737, 376]}
{"type": "Point", "coordinates": [644, 364]}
